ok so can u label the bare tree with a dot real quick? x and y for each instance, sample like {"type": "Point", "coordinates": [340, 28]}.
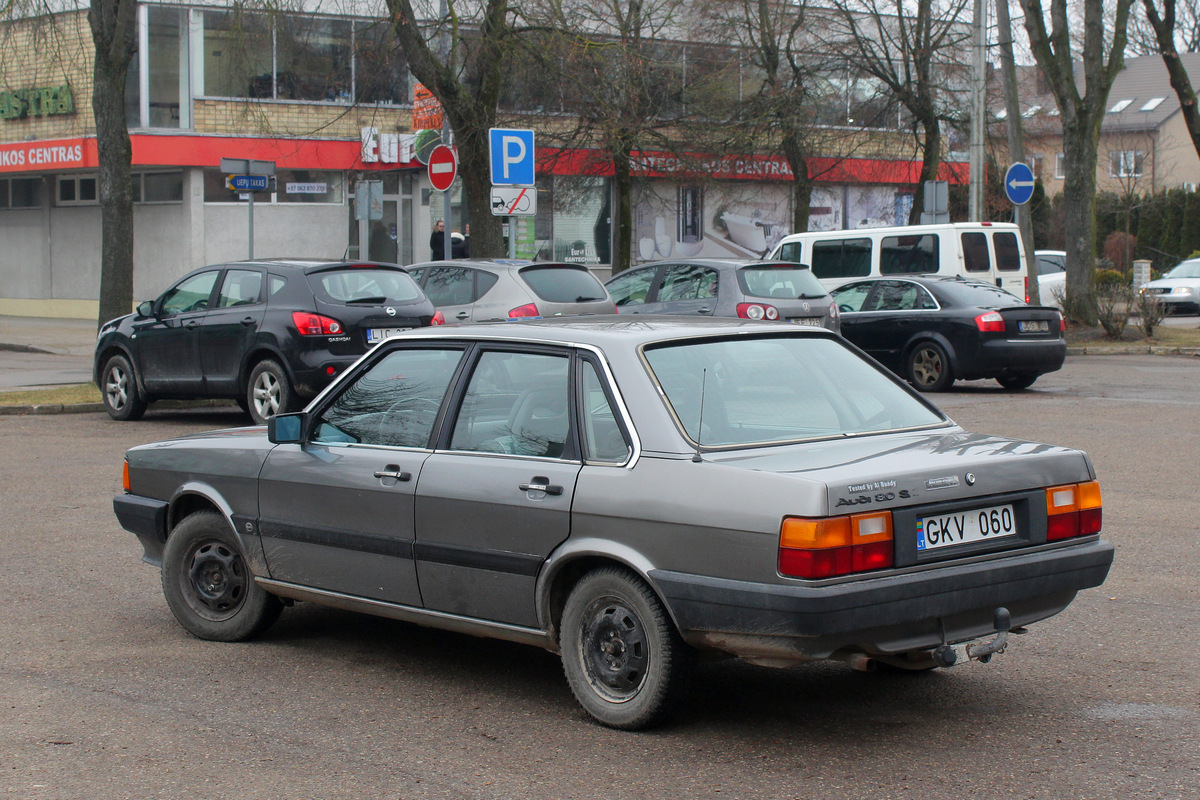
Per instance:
{"type": "Point", "coordinates": [1143, 39]}
{"type": "Point", "coordinates": [1100, 58]}
{"type": "Point", "coordinates": [1166, 28]}
{"type": "Point", "coordinates": [913, 54]}
{"type": "Point", "coordinates": [466, 74]}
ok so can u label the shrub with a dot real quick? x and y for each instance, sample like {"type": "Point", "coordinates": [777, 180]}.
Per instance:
{"type": "Point", "coordinates": [1112, 305]}
{"type": "Point", "coordinates": [1110, 277]}
{"type": "Point", "coordinates": [1150, 313]}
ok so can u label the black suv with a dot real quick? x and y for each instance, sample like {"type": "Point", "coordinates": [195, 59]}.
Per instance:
{"type": "Point", "coordinates": [270, 334]}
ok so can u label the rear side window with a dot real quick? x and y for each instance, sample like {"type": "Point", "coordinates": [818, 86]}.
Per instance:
{"type": "Point", "coordinates": [908, 255]}
{"type": "Point", "coordinates": [631, 288]}
{"type": "Point", "coordinates": [1008, 256]}
{"type": "Point", "coordinates": [975, 252]}
{"type": "Point", "coordinates": [365, 285]}
{"type": "Point", "coordinates": [842, 258]}
{"type": "Point", "coordinates": [791, 282]}
{"type": "Point", "coordinates": [563, 284]}
{"type": "Point", "coordinates": [688, 282]}
{"type": "Point", "coordinates": [457, 286]}
{"type": "Point", "coordinates": [242, 287]}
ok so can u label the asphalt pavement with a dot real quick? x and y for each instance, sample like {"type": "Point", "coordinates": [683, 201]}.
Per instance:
{"type": "Point", "coordinates": [39, 353]}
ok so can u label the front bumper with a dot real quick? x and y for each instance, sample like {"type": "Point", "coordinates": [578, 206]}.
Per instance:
{"type": "Point", "coordinates": [147, 519]}
{"type": "Point", "coordinates": [913, 610]}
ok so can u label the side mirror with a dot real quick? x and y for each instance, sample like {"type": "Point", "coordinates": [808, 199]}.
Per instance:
{"type": "Point", "coordinates": [145, 309]}
{"type": "Point", "coordinates": [286, 428]}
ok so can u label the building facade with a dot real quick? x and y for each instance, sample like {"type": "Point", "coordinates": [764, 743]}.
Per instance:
{"type": "Point", "coordinates": [327, 98]}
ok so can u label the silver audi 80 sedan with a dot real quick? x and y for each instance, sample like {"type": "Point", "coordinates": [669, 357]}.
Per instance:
{"type": "Point", "coordinates": [631, 495]}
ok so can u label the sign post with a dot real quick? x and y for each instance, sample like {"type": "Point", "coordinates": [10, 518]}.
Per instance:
{"type": "Point", "coordinates": [249, 176]}
{"type": "Point", "coordinates": [443, 169]}
{"type": "Point", "coordinates": [511, 155]}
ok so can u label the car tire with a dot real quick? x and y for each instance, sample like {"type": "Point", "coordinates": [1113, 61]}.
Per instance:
{"type": "Point", "coordinates": [268, 392]}
{"type": "Point", "coordinates": [1017, 382]}
{"type": "Point", "coordinates": [208, 584]}
{"type": "Point", "coordinates": [624, 660]}
{"type": "Point", "coordinates": [928, 367]}
{"type": "Point", "coordinates": [119, 390]}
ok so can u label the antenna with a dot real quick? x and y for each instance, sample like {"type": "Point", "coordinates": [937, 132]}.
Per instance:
{"type": "Point", "coordinates": [700, 422]}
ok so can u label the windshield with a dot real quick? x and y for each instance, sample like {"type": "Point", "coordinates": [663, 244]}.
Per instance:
{"type": "Point", "coordinates": [771, 389]}
{"type": "Point", "coordinates": [781, 281]}
{"type": "Point", "coordinates": [366, 285]}
{"type": "Point", "coordinates": [1188, 269]}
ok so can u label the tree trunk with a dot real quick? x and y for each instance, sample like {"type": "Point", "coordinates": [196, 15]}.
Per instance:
{"type": "Point", "coordinates": [114, 35]}
{"type": "Point", "coordinates": [931, 161]}
{"type": "Point", "coordinates": [623, 196]}
{"type": "Point", "coordinates": [1079, 224]}
{"type": "Point", "coordinates": [794, 152]}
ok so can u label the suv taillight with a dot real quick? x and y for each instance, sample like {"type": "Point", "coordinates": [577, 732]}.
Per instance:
{"type": "Point", "coordinates": [315, 325]}
{"type": "Point", "coordinates": [438, 319]}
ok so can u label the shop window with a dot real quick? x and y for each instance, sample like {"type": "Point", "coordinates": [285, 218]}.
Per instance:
{"type": "Point", "coordinates": [237, 55]}
{"type": "Point", "coordinates": [20, 193]}
{"type": "Point", "coordinates": [77, 190]}
{"type": "Point", "coordinates": [158, 187]}
{"type": "Point", "coordinates": [166, 48]}
{"type": "Point", "coordinates": [313, 58]}
{"type": "Point", "coordinates": [308, 186]}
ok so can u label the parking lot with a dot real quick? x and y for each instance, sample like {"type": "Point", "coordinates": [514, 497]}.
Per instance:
{"type": "Point", "coordinates": [107, 697]}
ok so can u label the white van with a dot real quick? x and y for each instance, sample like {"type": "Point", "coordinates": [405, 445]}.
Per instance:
{"type": "Point", "coordinates": [987, 251]}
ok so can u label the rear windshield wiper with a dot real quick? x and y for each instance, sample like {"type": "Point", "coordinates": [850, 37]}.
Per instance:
{"type": "Point", "coordinates": [368, 300]}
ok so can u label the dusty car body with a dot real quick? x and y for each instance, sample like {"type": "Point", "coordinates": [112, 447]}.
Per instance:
{"type": "Point", "coordinates": [629, 494]}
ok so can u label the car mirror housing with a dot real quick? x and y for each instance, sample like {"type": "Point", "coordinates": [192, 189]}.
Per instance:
{"type": "Point", "coordinates": [286, 428]}
{"type": "Point", "coordinates": [145, 309]}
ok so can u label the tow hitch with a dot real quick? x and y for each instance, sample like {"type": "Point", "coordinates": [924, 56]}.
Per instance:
{"type": "Point", "coordinates": [982, 651]}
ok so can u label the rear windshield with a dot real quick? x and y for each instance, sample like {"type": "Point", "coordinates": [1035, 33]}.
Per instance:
{"type": "Point", "coordinates": [750, 391]}
{"type": "Point", "coordinates": [563, 284]}
{"type": "Point", "coordinates": [984, 295]}
{"type": "Point", "coordinates": [366, 285]}
{"type": "Point", "coordinates": [783, 280]}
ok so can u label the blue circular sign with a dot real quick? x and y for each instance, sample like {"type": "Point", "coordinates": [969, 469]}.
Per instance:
{"type": "Point", "coordinates": [1018, 183]}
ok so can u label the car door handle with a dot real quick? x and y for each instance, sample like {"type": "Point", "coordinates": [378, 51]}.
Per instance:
{"type": "Point", "coordinates": [393, 471]}
{"type": "Point", "coordinates": [462, 315]}
{"type": "Point", "coordinates": [248, 321]}
{"type": "Point", "coordinates": [704, 310]}
{"type": "Point", "coordinates": [541, 484]}
{"type": "Point", "coordinates": [192, 323]}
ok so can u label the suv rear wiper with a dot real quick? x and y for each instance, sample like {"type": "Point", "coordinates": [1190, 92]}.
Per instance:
{"type": "Point", "coordinates": [368, 300]}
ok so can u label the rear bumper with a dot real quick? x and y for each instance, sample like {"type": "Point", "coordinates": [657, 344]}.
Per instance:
{"type": "Point", "coordinates": [891, 614]}
{"type": "Point", "coordinates": [1015, 356]}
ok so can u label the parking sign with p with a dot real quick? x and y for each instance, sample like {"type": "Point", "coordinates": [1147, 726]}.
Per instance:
{"type": "Point", "coordinates": [511, 157]}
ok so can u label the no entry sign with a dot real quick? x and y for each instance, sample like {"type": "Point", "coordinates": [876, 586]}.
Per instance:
{"type": "Point", "coordinates": [443, 167]}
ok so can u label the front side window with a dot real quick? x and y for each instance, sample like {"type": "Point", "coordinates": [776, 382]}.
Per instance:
{"type": "Point", "coordinates": [190, 295]}
{"type": "Point", "coordinates": [515, 403]}
{"type": "Point", "coordinates": [631, 288]}
{"type": "Point", "coordinates": [394, 403]}
{"type": "Point", "coordinates": [842, 258]}
{"type": "Point", "coordinates": [766, 390]}
{"type": "Point", "coordinates": [908, 255]}
{"type": "Point", "coordinates": [853, 297]}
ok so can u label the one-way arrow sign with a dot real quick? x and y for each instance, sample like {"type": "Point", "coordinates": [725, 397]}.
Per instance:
{"type": "Point", "coordinates": [1019, 183]}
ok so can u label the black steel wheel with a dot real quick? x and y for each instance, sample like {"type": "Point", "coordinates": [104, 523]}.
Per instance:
{"type": "Point", "coordinates": [626, 664]}
{"type": "Point", "coordinates": [208, 585]}
{"type": "Point", "coordinates": [119, 390]}
{"type": "Point", "coordinates": [269, 392]}
{"type": "Point", "coordinates": [1017, 382]}
{"type": "Point", "coordinates": [929, 368]}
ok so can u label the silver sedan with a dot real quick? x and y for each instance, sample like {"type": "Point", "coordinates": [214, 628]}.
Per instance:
{"type": "Point", "coordinates": [632, 494]}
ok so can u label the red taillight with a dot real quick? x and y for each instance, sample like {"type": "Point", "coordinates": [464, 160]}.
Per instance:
{"type": "Point", "coordinates": [991, 322]}
{"type": "Point", "coordinates": [527, 310]}
{"type": "Point", "coordinates": [757, 311]}
{"type": "Point", "coordinates": [438, 319]}
{"type": "Point", "coordinates": [1062, 323]}
{"type": "Point", "coordinates": [1026, 288]}
{"type": "Point", "coordinates": [1073, 510]}
{"type": "Point", "coordinates": [824, 548]}
{"type": "Point", "coordinates": [315, 325]}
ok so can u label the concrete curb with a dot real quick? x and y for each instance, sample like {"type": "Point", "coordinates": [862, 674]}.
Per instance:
{"type": "Point", "coordinates": [1133, 350]}
{"type": "Point", "coordinates": [51, 408]}
{"type": "Point", "coordinates": [26, 348]}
